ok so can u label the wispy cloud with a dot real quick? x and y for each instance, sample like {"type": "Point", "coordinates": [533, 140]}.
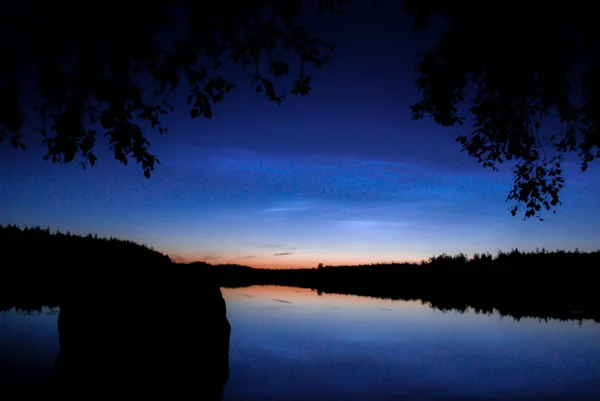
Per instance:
{"type": "Point", "coordinates": [285, 209]}
{"type": "Point", "coordinates": [328, 177]}
{"type": "Point", "coordinates": [259, 204]}
{"type": "Point", "coordinates": [302, 186]}
{"type": "Point", "coordinates": [373, 223]}
{"type": "Point", "coordinates": [249, 257]}
{"type": "Point", "coordinates": [177, 258]}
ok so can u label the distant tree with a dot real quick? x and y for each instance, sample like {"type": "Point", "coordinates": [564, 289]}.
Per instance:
{"type": "Point", "coordinates": [515, 69]}
{"type": "Point", "coordinates": [87, 72]}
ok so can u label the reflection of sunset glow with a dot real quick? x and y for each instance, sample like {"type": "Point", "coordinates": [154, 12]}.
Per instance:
{"type": "Point", "coordinates": [308, 296]}
{"type": "Point", "coordinates": [287, 340]}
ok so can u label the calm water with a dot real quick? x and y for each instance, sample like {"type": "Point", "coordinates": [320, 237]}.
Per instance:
{"type": "Point", "coordinates": [292, 344]}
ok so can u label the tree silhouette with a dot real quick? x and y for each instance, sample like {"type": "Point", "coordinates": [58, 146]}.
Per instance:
{"type": "Point", "coordinates": [86, 74]}
{"type": "Point", "coordinates": [526, 79]}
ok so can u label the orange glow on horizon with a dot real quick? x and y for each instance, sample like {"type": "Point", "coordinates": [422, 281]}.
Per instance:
{"type": "Point", "coordinates": [291, 261]}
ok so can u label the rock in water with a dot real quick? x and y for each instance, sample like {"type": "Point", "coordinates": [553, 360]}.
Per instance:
{"type": "Point", "coordinates": [164, 337]}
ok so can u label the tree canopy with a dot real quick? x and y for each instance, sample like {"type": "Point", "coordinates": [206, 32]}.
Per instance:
{"type": "Point", "coordinates": [76, 73]}
{"type": "Point", "coordinates": [522, 81]}
{"type": "Point", "coordinates": [524, 78]}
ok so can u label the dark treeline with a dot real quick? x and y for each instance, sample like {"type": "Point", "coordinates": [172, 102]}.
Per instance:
{"type": "Point", "coordinates": [117, 300]}
{"type": "Point", "coordinates": [41, 268]}
{"type": "Point", "coordinates": [44, 268]}
{"type": "Point", "coordinates": [540, 284]}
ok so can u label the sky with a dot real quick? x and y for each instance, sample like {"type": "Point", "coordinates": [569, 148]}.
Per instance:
{"type": "Point", "coordinates": [342, 176]}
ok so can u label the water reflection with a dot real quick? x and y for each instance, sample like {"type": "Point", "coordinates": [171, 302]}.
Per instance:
{"type": "Point", "coordinates": [28, 348]}
{"type": "Point", "coordinates": [177, 348]}
{"type": "Point", "coordinates": [292, 344]}
{"type": "Point", "coordinates": [166, 354]}
{"type": "Point", "coordinates": [353, 348]}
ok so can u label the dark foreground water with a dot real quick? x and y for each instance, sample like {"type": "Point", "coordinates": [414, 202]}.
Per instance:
{"type": "Point", "coordinates": [292, 344]}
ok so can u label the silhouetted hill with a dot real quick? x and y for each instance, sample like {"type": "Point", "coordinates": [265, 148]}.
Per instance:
{"type": "Point", "coordinates": [42, 266]}
{"type": "Point", "coordinates": [542, 284]}
{"type": "Point", "coordinates": [131, 321]}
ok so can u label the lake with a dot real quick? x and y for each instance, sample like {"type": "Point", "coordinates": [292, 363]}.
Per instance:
{"type": "Point", "coordinates": [294, 344]}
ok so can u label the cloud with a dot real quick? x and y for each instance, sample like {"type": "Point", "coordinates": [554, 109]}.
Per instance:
{"type": "Point", "coordinates": [285, 194]}
{"type": "Point", "coordinates": [285, 209]}
{"type": "Point", "coordinates": [372, 223]}
{"type": "Point", "coordinates": [211, 257]}
{"type": "Point", "coordinates": [249, 257]}
{"type": "Point", "coordinates": [283, 253]}
{"type": "Point", "coordinates": [282, 301]}
{"type": "Point", "coordinates": [177, 258]}
{"type": "Point", "coordinates": [297, 185]}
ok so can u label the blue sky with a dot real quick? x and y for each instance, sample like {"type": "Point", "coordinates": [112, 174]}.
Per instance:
{"type": "Point", "coordinates": [340, 176]}
{"type": "Point", "coordinates": [268, 210]}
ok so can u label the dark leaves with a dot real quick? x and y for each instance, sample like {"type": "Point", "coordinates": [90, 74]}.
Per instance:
{"type": "Point", "coordinates": [537, 186]}
{"type": "Point", "coordinates": [302, 86]}
{"type": "Point", "coordinates": [279, 68]}
{"type": "Point", "coordinates": [267, 87]}
{"type": "Point", "coordinates": [11, 116]}
{"type": "Point", "coordinates": [200, 104]}
{"type": "Point", "coordinates": [96, 77]}
{"type": "Point", "coordinates": [515, 79]}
